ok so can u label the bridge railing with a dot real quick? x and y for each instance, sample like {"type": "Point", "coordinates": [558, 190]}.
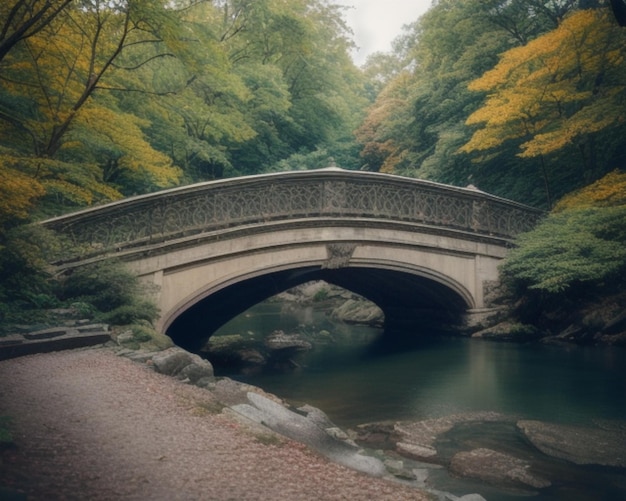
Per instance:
{"type": "Point", "coordinates": [327, 193]}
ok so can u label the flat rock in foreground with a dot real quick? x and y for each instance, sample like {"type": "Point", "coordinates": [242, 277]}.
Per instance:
{"type": "Point", "coordinates": [606, 447]}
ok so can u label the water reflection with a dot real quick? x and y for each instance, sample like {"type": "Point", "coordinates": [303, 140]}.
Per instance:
{"type": "Point", "coordinates": [366, 375]}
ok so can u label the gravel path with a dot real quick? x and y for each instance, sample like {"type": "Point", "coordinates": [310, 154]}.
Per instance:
{"type": "Point", "coordinates": [91, 425]}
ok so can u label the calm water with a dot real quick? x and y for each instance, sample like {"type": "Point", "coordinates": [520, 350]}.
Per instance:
{"type": "Point", "coordinates": [364, 377]}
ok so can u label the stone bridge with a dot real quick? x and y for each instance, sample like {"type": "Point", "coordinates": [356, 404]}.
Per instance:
{"type": "Point", "coordinates": [210, 251]}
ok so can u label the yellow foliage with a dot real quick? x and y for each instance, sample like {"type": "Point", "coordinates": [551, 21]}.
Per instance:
{"type": "Point", "coordinates": [608, 191]}
{"type": "Point", "coordinates": [70, 191]}
{"type": "Point", "coordinates": [27, 178]}
{"type": "Point", "coordinates": [18, 191]}
{"type": "Point", "coordinates": [550, 91]}
{"type": "Point", "coordinates": [393, 159]}
{"type": "Point", "coordinates": [119, 136]}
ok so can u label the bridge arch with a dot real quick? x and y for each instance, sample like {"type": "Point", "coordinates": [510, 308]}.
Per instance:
{"type": "Point", "coordinates": [405, 294]}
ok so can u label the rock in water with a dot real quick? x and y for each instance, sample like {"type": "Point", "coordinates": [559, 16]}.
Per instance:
{"type": "Point", "coordinates": [278, 340]}
{"type": "Point", "coordinates": [496, 468]}
{"type": "Point", "coordinates": [416, 439]}
{"type": "Point", "coordinates": [359, 312]}
{"type": "Point", "coordinates": [578, 444]}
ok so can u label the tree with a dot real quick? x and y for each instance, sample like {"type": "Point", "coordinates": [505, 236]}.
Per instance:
{"type": "Point", "coordinates": [50, 77]}
{"type": "Point", "coordinates": [609, 191]}
{"type": "Point", "coordinates": [66, 61]}
{"type": "Point", "coordinates": [380, 132]}
{"type": "Point", "coordinates": [555, 93]}
{"type": "Point", "coordinates": [297, 55]}
{"type": "Point", "coordinates": [574, 261]}
{"type": "Point", "coordinates": [453, 43]}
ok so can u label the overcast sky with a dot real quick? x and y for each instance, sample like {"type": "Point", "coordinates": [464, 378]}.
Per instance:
{"type": "Point", "coordinates": [376, 23]}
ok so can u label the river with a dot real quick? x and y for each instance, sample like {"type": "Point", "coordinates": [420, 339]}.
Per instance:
{"type": "Point", "coordinates": [361, 375]}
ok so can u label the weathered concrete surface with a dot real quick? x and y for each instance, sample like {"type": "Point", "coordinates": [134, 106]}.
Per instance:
{"type": "Point", "coordinates": [185, 276]}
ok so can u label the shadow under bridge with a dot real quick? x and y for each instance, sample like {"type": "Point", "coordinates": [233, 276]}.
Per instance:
{"type": "Point", "coordinates": [408, 301]}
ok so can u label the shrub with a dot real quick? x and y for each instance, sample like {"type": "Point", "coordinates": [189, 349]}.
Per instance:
{"type": "Point", "coordinates": [107, 285]}
{"type": "Point", "coordinates": [143, 333]}
{"type": "Point", "coordinates": [321, 295]}
{"type": "Point", "coordinates": [28, 287]}
{"type": "Point", "coordinates": [574, 248]}
{"type": "Point", "coordinates": [131, 313]}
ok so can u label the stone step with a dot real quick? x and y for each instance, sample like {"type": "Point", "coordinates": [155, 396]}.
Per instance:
{"type": "Point", "coordinates": [54, 339]}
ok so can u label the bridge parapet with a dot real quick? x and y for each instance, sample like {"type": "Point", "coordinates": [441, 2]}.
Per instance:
{"type": "Point", "coordinates": [208, 207]}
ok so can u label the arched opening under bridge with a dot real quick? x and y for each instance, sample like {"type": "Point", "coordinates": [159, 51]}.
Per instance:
{"type": "Point", "coordinates": [409, 299]}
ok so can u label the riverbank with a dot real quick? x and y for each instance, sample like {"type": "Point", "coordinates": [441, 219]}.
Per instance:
{"type": "Point", "coordinates": [88, 424]}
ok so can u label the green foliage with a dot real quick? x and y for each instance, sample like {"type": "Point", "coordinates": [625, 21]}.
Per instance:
{"type": "Point", "coordinates": [130, 313]}
{"type": "Point", "coordinates": [413, 127]}
{"type": "Point", "coordinates": [28, 288]}
{"type": "Point", "coordinates": [105, 290]}
{"type": "Point", "coordinates": [26, 282]}
{"type": "Point", "coordinates": [106, 285]}
{"type": "Point", "coordinates": [321, 295]}
{"type": "Point", "coordinates": [573, 261]}
{"type": "Point", "coordinates": [570, 251]}
{"type": "Point", "coordinates": [572, 71]}
{"type": "Point", "coordinates": [318, 159]}
{"type": "Point", "coordinates": [143, 332]}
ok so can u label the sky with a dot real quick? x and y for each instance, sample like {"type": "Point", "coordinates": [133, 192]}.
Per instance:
{"type": "Point", "coordinates": [376, 23]}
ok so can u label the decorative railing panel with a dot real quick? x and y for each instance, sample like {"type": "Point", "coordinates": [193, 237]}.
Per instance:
{"type": "Point", "coordinates": [327, 193]}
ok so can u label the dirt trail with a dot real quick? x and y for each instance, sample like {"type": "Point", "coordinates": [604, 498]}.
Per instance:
{"type": "Point", "coordinates": [91, 425]}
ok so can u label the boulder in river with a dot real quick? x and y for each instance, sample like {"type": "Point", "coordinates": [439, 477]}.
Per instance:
{"type": "Point", "coordinates": [496, 468]}
{"type": "Point", "coordinates": [278, 340]}
{"type": "Point", "coordinates": [605, 446]}
{"type": "Point", "coordinates": [235, 350]}
{"type": "Point", "coordinates": [359, 312]}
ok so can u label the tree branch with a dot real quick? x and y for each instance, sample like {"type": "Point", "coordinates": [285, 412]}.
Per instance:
{"type": "Point", "coordinates": [137, 66]}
